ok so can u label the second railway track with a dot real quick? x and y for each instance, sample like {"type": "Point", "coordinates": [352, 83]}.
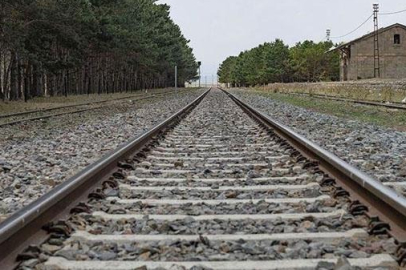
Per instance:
{"type": "Point", "coordinates": [382, 104]}
{"type": "Point", "coordinates": [18, 118]}
{"type": "Point", "coordinates": [218, 188]}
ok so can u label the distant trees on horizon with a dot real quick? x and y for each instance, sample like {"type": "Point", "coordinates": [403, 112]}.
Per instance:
{"type": "Point", "coordinates": [274, 62]}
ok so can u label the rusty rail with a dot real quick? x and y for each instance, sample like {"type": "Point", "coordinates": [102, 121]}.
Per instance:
{"type": "Point", "coordinates": [392, 105]}
{"type": "Point", "coordinates": [82, 104]}
{"type": "Point", "coordinates": [384, 205]}
{"type": "Point", "coordinates": [24, 228]}
{"type": "Point", "coordinates": [70, 112]}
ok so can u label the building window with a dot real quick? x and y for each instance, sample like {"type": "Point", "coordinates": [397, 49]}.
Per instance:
{"type": "Point", "coordinates": [397, 39]}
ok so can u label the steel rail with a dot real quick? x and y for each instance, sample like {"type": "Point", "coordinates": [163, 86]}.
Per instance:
{"type": "Point", "coordinates": [45, 117]}
{"type": "Point", "coordinates": [82, 104]}
{"type": "Point", "coordinates": [61, 107]}
{"type": "Point", "coordinates": [60, 114]}
{"type": "Point", "coordinates": [381, 201]}
{"type": "Point", "coordinates": [70, 112]}
{"type": "Point", "coordinates": [24, 228]}
{"type": "Point", "coordinates": [392, 105]}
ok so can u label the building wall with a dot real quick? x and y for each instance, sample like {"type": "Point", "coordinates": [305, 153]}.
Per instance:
{"type": "Point", "coordinates": [392, 56]}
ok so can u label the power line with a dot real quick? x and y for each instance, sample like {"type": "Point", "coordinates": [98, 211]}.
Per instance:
{"type": "Point", "coordinates": [383, 14]}
{"type": "Point", "coordinates": [354, 29]}
{"type": "Point", "coordinates": [392, 13]}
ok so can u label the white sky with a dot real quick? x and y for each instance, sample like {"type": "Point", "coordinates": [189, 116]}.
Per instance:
{"type": "Point", "coordinates": [220, 28]}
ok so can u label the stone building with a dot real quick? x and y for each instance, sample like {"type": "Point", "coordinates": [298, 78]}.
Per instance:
{"type": "Point", "coordinates": [357, 56]}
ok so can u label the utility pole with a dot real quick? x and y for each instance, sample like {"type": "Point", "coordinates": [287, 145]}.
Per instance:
{"type": "Point", "coordinates": [176, 77]}
{"type": "Point", "coordinates": [328, 34]}
{"type": "Point", "coordinates": [377, 69]}
{"type": "Point", "coordinates": [200, 76]}
{"type": "Point", "coordinates": [176, 80]}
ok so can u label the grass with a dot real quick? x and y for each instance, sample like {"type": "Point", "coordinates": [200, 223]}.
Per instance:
{"type": "Point", "coordinates": [369, 114]}
{"type": "Point", "coordinates": [352, 91]}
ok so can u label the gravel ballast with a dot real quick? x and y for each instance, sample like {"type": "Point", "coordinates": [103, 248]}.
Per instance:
{"type": "Point", "coordinates": [180, 223]}
{"type": "Point", "coordinates": [378, 151]}
{"type": "Point", "coordinates": [37, 156]}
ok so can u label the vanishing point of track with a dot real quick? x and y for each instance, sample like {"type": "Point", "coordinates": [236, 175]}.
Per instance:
{"type": "Point", "coordinates": [218, 185]}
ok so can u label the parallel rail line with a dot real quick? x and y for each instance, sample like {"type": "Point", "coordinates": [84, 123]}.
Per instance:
{"type": "Point", "coordinates": [74, 105]}
{"type": "Point", "coordinates": [391, 105]}
{"type": "Point", "coordinates": [47, 116]}
{"type": "Point", "coordinates": [208, 188]}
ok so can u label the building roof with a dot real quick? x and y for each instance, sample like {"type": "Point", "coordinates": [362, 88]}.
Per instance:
{"type": "Point", "coordinates": [381, 30]}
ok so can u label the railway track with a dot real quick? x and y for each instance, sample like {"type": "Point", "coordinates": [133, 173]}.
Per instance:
{"type": "Point", "coordinates": [392, 105]}
{"type": "Point", "coordinates": [34, 115]}
{"type": "Point", "coordinates": [216, 186]}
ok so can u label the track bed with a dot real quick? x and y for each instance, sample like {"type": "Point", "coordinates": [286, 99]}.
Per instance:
{"type": "Point", "coordinates": [218, 192]}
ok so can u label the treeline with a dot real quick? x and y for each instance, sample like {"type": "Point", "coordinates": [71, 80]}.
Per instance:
{"type": "Point", "coordinates": [276, 62]}
{"type": "Point", "coordinates": [61, 47]}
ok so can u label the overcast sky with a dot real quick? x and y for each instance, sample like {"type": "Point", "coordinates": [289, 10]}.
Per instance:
{"type": "Point", "coordinates": [220, 28]}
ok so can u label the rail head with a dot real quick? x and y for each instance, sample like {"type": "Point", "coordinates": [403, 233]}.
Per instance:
{"type": "Point", "coordinates": [381, 201]}
{"type": "Point", "coordinates": [23, 228]}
